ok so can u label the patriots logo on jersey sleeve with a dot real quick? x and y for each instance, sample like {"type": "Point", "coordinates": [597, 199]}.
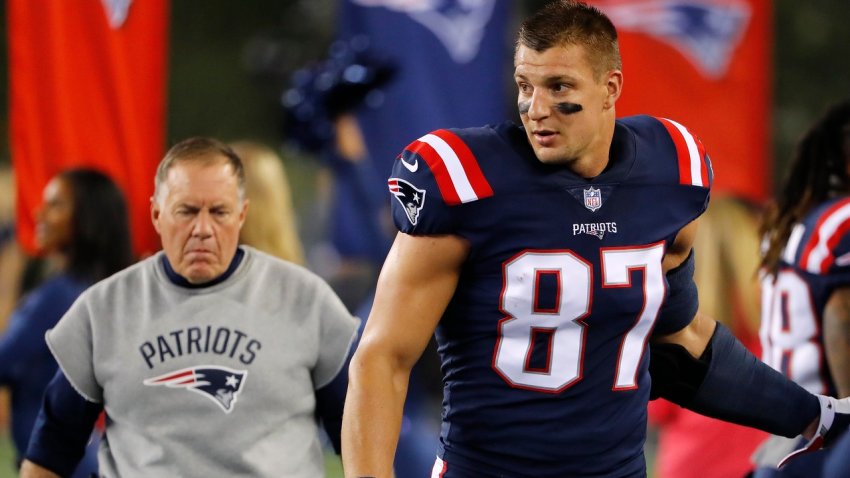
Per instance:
{"type": "Point", "coordinates": [220, 384]}
{"type": "Point", "coordinates": [409, 196]}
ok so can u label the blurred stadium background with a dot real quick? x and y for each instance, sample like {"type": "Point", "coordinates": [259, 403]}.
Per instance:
{"type": "Point", "coordinates": [229, 62]}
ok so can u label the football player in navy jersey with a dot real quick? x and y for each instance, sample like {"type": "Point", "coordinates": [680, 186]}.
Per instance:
{"type": "Point", "coordinates": [805, 331]}
{"type": "Point", "coordinates": [551, 260]}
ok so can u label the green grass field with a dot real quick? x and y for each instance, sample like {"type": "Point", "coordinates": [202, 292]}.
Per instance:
{"type": "Point", "coordinates": [7, 457]}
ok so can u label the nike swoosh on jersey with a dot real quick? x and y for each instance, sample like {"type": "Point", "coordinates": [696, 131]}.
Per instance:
{"type": "Point", "coordinates": [411, 167]}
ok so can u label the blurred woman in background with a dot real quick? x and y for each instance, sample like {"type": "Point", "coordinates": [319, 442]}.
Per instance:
{"type": "Point", "coordinates": [271, 226]}
{"type": "Point", "coordinates": [83, 233]}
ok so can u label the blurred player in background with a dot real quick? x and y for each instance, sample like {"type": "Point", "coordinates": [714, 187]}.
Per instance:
{"type": "Point", "coordinates": [805, 329]}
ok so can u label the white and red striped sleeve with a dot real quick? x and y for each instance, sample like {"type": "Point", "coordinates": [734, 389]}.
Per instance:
{"type": "Point", "coordinates": [694, 165]}
{"type": "Point", "coordinates": [453, 165]}
{"type": "Point", "coordinates": [821, 250]}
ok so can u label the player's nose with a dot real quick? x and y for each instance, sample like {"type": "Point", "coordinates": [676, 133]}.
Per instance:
{"type": "Point", "coordinates": [538, 106]}
{"type": "Point", "coordinates": [202, 226]}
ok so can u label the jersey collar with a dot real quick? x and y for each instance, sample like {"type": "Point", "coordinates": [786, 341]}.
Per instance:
{"type": "Point", "coordinates": [181, 281]}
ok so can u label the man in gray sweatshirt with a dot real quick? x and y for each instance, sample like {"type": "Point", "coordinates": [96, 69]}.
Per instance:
{"type": "Point", "coordinates": [263, 345]}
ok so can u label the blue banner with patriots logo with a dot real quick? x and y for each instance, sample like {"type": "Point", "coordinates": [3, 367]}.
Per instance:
{"type": "Point", "coordinates": [452, 60]}
{"type": "Point", "coordinates": [450, 63]}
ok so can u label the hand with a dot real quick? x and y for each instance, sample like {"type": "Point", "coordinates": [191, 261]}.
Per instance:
{"type": "Point", "coordinates": [834, 420]}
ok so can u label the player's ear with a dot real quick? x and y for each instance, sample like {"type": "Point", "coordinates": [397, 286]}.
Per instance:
{"type": "Point", "coordinates": [244, 212]}
{"type": "Point", "coordinates": [614, 85]}
{"type": "Point", "coordinates": [155, 213]}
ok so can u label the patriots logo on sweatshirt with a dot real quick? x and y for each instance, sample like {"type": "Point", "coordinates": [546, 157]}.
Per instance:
{"type": "Point", "coordinates": [220, 384]}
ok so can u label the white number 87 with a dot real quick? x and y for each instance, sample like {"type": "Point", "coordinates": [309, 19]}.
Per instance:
{"type": "Point", "coordinates": [564, 322]}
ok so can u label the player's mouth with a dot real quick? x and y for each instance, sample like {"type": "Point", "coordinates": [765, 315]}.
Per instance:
{"type": "Point", "coordinates": [544, 137]}
{"type": "Point", "coordinates": [198, 252]}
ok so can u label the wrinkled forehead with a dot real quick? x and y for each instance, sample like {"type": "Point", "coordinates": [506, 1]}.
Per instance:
{"type": "Point", "coordinates": [202, 181]}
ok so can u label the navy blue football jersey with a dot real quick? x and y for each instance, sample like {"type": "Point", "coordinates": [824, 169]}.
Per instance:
{"type": "Point", "coordinates": [814, 262]}
{"type": "Point", "coordinates": [543, 343]}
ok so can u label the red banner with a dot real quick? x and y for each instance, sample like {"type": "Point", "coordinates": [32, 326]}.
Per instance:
{"type": "Point", "coordinates": [87, 88]}
{"type": "Point", "coordinates": [706, 64]}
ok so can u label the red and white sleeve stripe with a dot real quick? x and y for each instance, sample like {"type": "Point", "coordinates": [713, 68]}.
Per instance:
{"type": "Point", "coordinates": [819, 252]}
{"type": "Point", "coordinates": [458, 175]}
{"type": "Point", "coordinates": [693, 168]}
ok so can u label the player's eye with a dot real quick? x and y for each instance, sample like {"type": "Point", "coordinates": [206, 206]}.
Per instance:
{"type": "Point", "coordinates": [185, 212]}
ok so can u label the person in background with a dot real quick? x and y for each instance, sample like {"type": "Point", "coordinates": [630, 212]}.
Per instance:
{"type": "Point", "coordinates": [691, 445]}
{"type": "Point", "coordinates": [550, 260]}
{"type": "Point", "coordinates": [805, 276]}
{"type": "Point", "coordinates": [272, 226]}
{"type": "Point", "coordinates": [260, 343]}
{"type": "Point", "coordinates": [82, 231]}
{"type": "Point", "coordinates": [12, 258]}
{"type": "Point", "coordinates": [323, 111]}
{"type": "Point", "coordinates": [12, 262]}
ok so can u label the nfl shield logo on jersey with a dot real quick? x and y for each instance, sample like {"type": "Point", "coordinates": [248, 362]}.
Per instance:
{"type": "Point", "coordinates": [411, 198]}
{"type": "Point", "coordinates": [592, 199]}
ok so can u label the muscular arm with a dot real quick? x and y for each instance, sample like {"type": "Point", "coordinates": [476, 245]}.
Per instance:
{"type": "Point", "coordinates": [695, 337]}
{"type": "Point", "coordinates": [416, 284]}
{"type": "Point", "coordinates": [836, 337]}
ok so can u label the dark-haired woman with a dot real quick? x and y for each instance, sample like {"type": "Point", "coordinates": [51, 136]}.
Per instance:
{"type": "Point", "coordinates": [83, 233]}
{"type": "Point", "coordinates": [805, 326]}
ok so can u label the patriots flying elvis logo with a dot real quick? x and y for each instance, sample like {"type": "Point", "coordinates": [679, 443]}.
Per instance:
{"type": "Point", "coordinates": [458, 24]}
{"type": "Point", "coordinates": [116, 12]}
{"type": "Point", "coordinates": [706, 32]}
{"type": "Point", "coordinates": [220, 384]}
{"type": "Point", "coordinates": [409, 196]}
